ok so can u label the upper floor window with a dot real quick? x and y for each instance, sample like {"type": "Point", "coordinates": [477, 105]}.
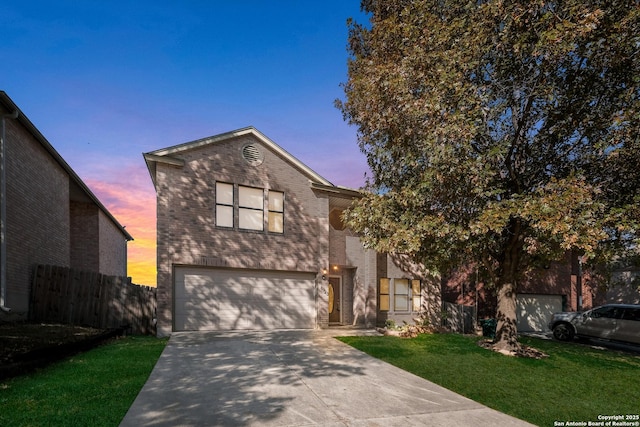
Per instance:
{"type": "Point", "coordinates": [248, 209]}
{"type": "Point", "coordinates": [276, 212]}
{"type": "Point", "coordinates": [224, 204]}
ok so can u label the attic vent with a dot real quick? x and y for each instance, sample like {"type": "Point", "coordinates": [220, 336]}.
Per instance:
{"type": "Point", "coordinates": [252, 154]}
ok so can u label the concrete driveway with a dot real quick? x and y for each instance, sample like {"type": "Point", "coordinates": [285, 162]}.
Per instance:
{"type": "Point", "coordinates": [292, 378]}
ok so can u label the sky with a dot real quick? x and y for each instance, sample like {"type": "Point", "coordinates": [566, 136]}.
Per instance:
{"type": "Point", "coordinates": [105, 82]}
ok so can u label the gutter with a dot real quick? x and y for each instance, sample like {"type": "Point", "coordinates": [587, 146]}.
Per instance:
{"type": "Point", "coordinates": [3, 213]}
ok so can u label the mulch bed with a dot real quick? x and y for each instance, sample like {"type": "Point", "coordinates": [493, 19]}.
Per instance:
{"type": "Point", "coordinates": [524, 351]}
{"type": "Point", "coordinates": [25, 347]}
{"type": "Point", "coordinates": [412, 331]}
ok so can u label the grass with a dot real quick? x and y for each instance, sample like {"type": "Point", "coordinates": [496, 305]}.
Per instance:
{"type": "Point", "coordinates": [575, 383]}
{"type": "Point", "coordinates": [95, 388]}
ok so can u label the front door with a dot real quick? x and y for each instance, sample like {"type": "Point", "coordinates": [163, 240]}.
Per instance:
{"type": "Point", "coordinates": [334, 299]}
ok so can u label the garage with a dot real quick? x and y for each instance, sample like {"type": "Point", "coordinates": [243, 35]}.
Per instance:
{"type": "Point", "coordinates": [222, 299]}
{"type": "Point", "coordinates": [534, 311]}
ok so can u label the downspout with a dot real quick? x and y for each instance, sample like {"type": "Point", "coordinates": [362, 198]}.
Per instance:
{"type": "Point", "coordinates": [3, 214]}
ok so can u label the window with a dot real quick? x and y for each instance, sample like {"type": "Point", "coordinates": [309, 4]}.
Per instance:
{"type": "Point", "coordinates": [406, 295]}
{"type": "Point", "coordinates": [607, 312]}
{"type": "Point", "coordinates": [224, 204]}
{"type": "Point", "coordinates": [335, 219]}
{"type": "Point", "coordinates": [250, 208]}
{"type": "Point", "coordinates": [631, 314]}
{"type": "Point", "coordinates": [276, 212]}
{"type": "Point", "coordinates": [415, 295]}
{"type": "Point", "coordinates": [384, 294]}
{"type": "Point", "coordinates": [246, 210]}
{"type": "Point", "coordinates": [401, 295]}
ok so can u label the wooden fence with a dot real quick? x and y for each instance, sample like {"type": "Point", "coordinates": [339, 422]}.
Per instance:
{"type": "Point", "coordinates": [66, 295]}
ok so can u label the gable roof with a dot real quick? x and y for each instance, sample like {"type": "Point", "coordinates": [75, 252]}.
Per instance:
{"type": "Point", "coordinates": [78, 188]}
{"type": "Point", "coordinates": [164, 155]}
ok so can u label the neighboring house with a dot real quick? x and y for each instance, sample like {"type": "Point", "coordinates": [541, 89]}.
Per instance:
{"type": "Point", "coordinates": [48, 215]}
{"type": "Point", "coordinates": [251, 238]}
{"type": "Point", "coordinates": [562, 286]}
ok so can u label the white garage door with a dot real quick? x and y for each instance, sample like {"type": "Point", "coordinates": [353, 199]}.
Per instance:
{"type": "Point", "coordinates": [229, 299]}
{"type": "Point", "coordinates": [534, 311]}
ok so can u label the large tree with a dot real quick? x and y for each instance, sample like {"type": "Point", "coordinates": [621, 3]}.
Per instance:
{"type": "Point", "coordinates": [502, 133]}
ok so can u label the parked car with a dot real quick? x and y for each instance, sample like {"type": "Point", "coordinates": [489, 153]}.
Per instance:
{"type": "Point", "coordinates": [616, 322]}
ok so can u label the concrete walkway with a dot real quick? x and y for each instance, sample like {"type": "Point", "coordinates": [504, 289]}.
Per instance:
{"type": "Point", "coordinates": [292, 378]}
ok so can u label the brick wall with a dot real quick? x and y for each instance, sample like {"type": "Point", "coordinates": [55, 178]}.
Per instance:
{"type": "Point", "coordinates": [112, 248]}
{"type": "Point", "coordinates": [84, 236]}
{"type": "Point", "coordinates": [50, 219]}
{"type": "Point", "coordinates": [558, 278]}
{"type": "Point", "coordinates": [337, 246]}
{"type": "Point", "coordinates": [555, 279]}
{"type": "Point", "coordinates": [399, 266]}
{"type": "Point", "coordinates": [37, 213]}
{"type": "Point", "coordinates": [363, 283]}
{"type": "Point", "coordinates": [187, 234]}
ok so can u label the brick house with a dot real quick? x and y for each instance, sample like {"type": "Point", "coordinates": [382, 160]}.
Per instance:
{"type": "Point", "coordinates": [562, 286]}
{"type": "Point", "coordinates": [49, 216]}
{"type": "Point", "coordinates": [249, 237]}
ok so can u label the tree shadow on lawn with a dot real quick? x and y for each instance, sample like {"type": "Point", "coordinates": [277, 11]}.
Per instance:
{"type": "Point", "coordinates": [25, 347]}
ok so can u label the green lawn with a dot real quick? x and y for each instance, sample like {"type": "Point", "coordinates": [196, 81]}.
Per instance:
{"type": "Point", "coordinates": [575, 383]}
{"type": "Point", "coordinates": [95, 388]}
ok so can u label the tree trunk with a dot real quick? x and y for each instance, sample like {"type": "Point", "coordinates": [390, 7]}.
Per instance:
{"type": "Point", "coordinates": [506, 330]}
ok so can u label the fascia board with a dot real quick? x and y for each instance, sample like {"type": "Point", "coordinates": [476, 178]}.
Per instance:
{"type": "Point", "coordinates": [337, 190]}
{"type": "Point", "coordinates": [237, 133]}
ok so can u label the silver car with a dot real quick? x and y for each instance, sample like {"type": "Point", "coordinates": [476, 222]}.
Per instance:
{"type": "Point", "coordinates": [616, 322]}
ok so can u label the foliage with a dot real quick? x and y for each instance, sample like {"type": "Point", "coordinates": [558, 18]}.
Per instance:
{"type": "Point", "coordinates": [498, 132]}
{"type": "Point", "coordinates": [457, 363]}
{"type": "Point", "coordinates": [95, 388]}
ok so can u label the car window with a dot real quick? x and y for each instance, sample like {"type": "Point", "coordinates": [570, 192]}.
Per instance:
{"type": "Point", "coordinates": [607, 312]}
{"type": "Point", "coordinates": [631, 314]}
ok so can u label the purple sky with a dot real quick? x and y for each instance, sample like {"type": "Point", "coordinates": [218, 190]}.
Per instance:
{"type": "Point", "coordinates": [106, 81]}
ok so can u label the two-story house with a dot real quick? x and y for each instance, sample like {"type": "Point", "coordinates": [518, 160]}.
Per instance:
{"type": "Point", "coordinates": [249, 237]}
{"type": "Point", "coordinates": [48, 215]}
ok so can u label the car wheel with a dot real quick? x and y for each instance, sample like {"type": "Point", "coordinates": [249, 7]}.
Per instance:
{"type": "Point", "coordinates": [563, 332]}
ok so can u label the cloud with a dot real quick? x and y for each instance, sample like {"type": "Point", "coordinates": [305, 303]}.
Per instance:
{"type": "Point", "coordinates": [130, 198]}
